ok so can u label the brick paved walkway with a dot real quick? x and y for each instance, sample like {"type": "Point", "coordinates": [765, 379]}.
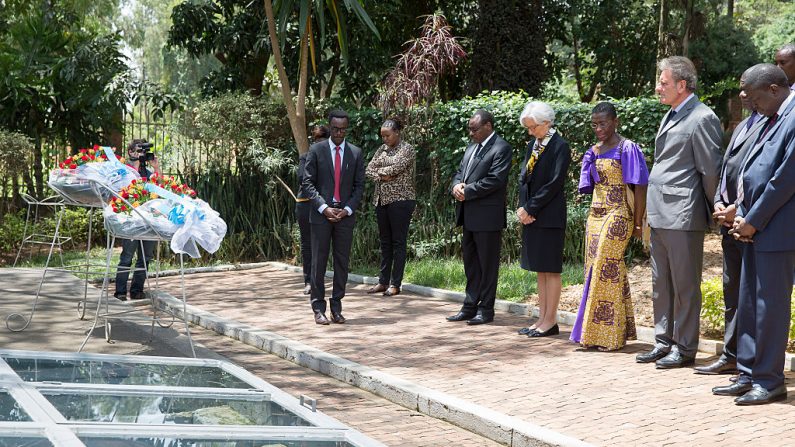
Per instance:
{"type": "Point", "coordinates": [601, 398]}
{"type": "Point", "coordinates": [55, 327]}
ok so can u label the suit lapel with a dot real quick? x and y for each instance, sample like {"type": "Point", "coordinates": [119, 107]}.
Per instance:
{"type": "Point", "coordinates": [479, 156]}
{"type": "Point", "coordinates": [329, 160]}
{"type": "Point", "coordinates": [768, 135]}
{"type": "Point", "coordinates": [347, 159]}
{"type": "Point", "coordinates": [738, 143]}
{"type": "Point", "coordinates": [682, 114]}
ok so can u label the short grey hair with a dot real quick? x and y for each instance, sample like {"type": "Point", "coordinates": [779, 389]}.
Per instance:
{"type": "Point", "coordinates": [538, 111]}
{"type": "Point", "coordinates": [682, 69]}
{"type": "Point", "coordinates": [787, 48]}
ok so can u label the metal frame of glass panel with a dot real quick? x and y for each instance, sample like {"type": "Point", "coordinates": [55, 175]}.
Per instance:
{"type": "Point", "coordinates": [47, 421]}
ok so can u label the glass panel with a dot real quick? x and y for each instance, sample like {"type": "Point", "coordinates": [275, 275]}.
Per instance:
{"type": "Point", "coordinates": [10, 411]}
{"type": "Point", "coordinates": [120, 373]}
{"type": "Point", "coordinates": [185, 442]}
{"type": "Point", "coordinates": [10, 441]}
{"type": "Point", "coordinates": [171, 410]}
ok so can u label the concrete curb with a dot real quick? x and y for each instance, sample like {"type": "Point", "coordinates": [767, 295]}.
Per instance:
{"type": "Point", "coordinates": [481, 420]}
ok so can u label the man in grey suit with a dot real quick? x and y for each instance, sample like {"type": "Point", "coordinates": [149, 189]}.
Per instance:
{"type": "Point", "coordinates": [682, 184]}
{"type": "Point", "coordinates": [742, 140]}
{"type": "Point", "coordinates": [765, 215]}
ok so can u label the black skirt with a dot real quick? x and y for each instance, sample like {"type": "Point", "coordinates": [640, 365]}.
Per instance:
{"type": "Point", "coordinates": [542, 249]}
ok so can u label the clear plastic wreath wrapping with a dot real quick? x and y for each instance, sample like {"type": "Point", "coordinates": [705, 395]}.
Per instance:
{"type": "Point", "coordinates": [187, 223]}
{"type": "Point", "coordinates": [74, 184]}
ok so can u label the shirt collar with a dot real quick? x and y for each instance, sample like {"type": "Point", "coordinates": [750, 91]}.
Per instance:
{"type": "Point", "coordinates": [683, 103]}
{"type": "Point", "coordinates": [786, 103]}
{"type": "Point", "coordinates": [334, 146]}
{"type": "Point", "coordinates": [483, 143]}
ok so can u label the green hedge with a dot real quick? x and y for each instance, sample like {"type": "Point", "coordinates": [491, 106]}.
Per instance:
{"type": "Point", "coordinates": [259, 212]}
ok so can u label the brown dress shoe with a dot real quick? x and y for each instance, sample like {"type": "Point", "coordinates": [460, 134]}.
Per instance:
{"type": "Point", "coordinates": [320, 318]}
{"type": "Point", "coordinates": [392, 291]}
{"type": "Point", "coordinates": [337, 318]}
{"type": "Point", "coordinates": [377, 288]}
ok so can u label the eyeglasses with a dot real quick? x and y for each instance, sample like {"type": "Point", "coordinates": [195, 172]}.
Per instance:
{"type": "Point", "coordinates": [602, 125]}
{"type": "Point", "coordinates": [474, 129]}
{"type": "Point", "coordinates": [535, 126]}
{"type": "Point", "coordinates": [339, 129]}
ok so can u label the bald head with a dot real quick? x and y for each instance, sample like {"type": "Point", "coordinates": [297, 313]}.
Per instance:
{"type": "Point", "coordinates": [785, 60]}
{"type": "Point", "coordinates": [766, 87]}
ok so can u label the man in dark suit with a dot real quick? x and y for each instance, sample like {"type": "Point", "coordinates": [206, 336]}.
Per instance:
{"type": "Point", "coordinates": [765, 215]}
{"type": "Point", "coordinates": [724, 207]}
{"type": "Point", "coordinates": [334, 182]}
{"type": "Point", "coordinates": [682, 184]}
{"type": "Point", "coordinates": [480, 188]}
{"type": "Point", "coordinates": [785, 60]}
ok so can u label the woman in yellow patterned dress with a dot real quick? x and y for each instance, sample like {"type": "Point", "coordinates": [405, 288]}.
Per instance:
{"type": "Point", "coordinates": [605, 319]}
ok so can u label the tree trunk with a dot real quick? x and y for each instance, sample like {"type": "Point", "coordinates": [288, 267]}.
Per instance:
{"type": "Point", "coordinates": [730, 8]}
{"type": "Point", "coordinates": [662, 32]}
{"type": "Point", "coordinates": [38, 172]}
{"type": "Point", "coordinates": [297, 122]}
{"type": "Point", "coordinates": [688, 27]}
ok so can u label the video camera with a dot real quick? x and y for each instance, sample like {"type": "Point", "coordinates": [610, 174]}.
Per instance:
{"type": "Point", "coordinates": [145, 151]}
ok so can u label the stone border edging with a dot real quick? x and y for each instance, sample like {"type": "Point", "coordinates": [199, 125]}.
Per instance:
{"type": "Point", "coordinates": [481, 420]}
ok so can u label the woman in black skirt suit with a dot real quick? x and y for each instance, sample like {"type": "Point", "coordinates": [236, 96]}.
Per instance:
{"type": "Point", "coordinates": [543, 211]}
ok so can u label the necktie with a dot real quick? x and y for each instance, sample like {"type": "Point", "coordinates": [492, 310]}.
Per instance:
{"type": "Point", "coordinates": [337, 173]}
{"type": "Point", "coordinates": [768, 126]}
{"type": "Point", "coordinates": [668, 118]}
{"type": "Point", "coordinates": [471, 159]}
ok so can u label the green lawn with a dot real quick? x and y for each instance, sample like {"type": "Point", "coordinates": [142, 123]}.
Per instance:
{"type": "Point", "coordinates": [514, 283]}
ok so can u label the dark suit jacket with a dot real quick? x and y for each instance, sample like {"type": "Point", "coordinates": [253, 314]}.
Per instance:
{"type": "Point", "coordinates": [319, 178]}
{"type": "Point", "coordinates": [732, 161]}
{"type": "Point", "coordinates": [769, 186]}
{"type": "Point", "coordinates": [542, 193]}
{"type": "Point", "coordinates": [300, 173]}
{"type": "Point", "coordinates": [486, 186]}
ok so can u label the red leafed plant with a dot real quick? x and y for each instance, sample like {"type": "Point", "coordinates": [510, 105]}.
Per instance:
{"type": "Point", "coordinates": [418, 69]}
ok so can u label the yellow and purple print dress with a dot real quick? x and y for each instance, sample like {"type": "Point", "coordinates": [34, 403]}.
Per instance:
{"type": "Point", "coordinates": [605, 318]}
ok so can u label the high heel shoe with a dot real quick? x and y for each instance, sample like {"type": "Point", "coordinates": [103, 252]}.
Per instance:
{"type": "Point", "coordinates": [554, 330]}
{"type": "Point", "coordinates": [392, 291]}
{"type": "Point", "coordinates": [377, 289]}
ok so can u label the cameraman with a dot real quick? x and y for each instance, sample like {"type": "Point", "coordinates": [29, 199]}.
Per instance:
{"type": "Point", "coordinates": [138, 155]}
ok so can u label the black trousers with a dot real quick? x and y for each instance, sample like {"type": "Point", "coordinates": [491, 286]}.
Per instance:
{"type": "Point", "coordinates": [326, 235]}
{"type": "Point", "coordinates": [302, 210]}
{"type": "Point", "coordinates": [481, 253]}
{"type": "Point", "coordinates": [393, 230]}
{"type": "Point", "coordinates": [732, 266]}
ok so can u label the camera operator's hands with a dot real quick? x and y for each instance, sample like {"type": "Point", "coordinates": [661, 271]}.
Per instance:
{"type": "Point", "coordinates": [155, 166]}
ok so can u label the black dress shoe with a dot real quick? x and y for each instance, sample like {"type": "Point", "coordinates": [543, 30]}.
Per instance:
{"type": "Point", "coordinates": [675, 359]}
{"type": "Point", "coordinates": [651, 356]}
{"type": "Point", "coordinates": [460, 316]}
{"type": "Point", "coordinates": [554, 330]}
{"type": "Point", "coordinates": [735, 389]}
{"type": "Point", "coordinates": [759, 395]}
{"type": "Point", "coordinates": [720, 366]}
{"type": "Point", "coordinates": [479, 319]}
{"type": "Point", "coordinates": [320, 318]}
{"type": "Point", "coordinates": [526, 330]}
{"type": "Point", "coordinates": [337, 318]}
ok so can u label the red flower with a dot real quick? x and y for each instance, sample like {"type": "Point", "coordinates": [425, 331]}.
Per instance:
{"type": "Point", "coordinates": [84, 158]}
{"type": "Point", "coordinates": [133, 182]}
{"type": "Point", "coordinates": [136, 196]}
{"type": "Point", "coordinates": [72, 166]}
{"type": "Point", "coordinates": [96, 147]}
{"type": "Point", "coordinates": [125, 195]}
{"type": "Point", "coordinates": [83, 151]}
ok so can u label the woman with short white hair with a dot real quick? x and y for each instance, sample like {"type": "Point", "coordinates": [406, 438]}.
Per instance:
{"type": "Point", "coordinates": [543, 211]}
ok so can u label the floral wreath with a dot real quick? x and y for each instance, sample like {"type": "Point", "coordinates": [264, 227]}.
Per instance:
{"type": "Point", "coordinates": [136, 193]}
{"type": "Point", "coordinates": [84, 156]}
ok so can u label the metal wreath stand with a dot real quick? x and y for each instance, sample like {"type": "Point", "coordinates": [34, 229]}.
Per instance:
{"type": "Point", "coordinates": [57, 241]}
{"type": "Point", "coordinates": [124, 311]}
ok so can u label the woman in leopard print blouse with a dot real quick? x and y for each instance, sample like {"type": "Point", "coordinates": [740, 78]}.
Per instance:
{"type": "Point", "coordinates": [392, 170]}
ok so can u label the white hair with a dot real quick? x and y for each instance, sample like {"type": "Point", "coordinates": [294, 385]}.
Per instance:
{"type": "Point", "coordinates": [538, 111]}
